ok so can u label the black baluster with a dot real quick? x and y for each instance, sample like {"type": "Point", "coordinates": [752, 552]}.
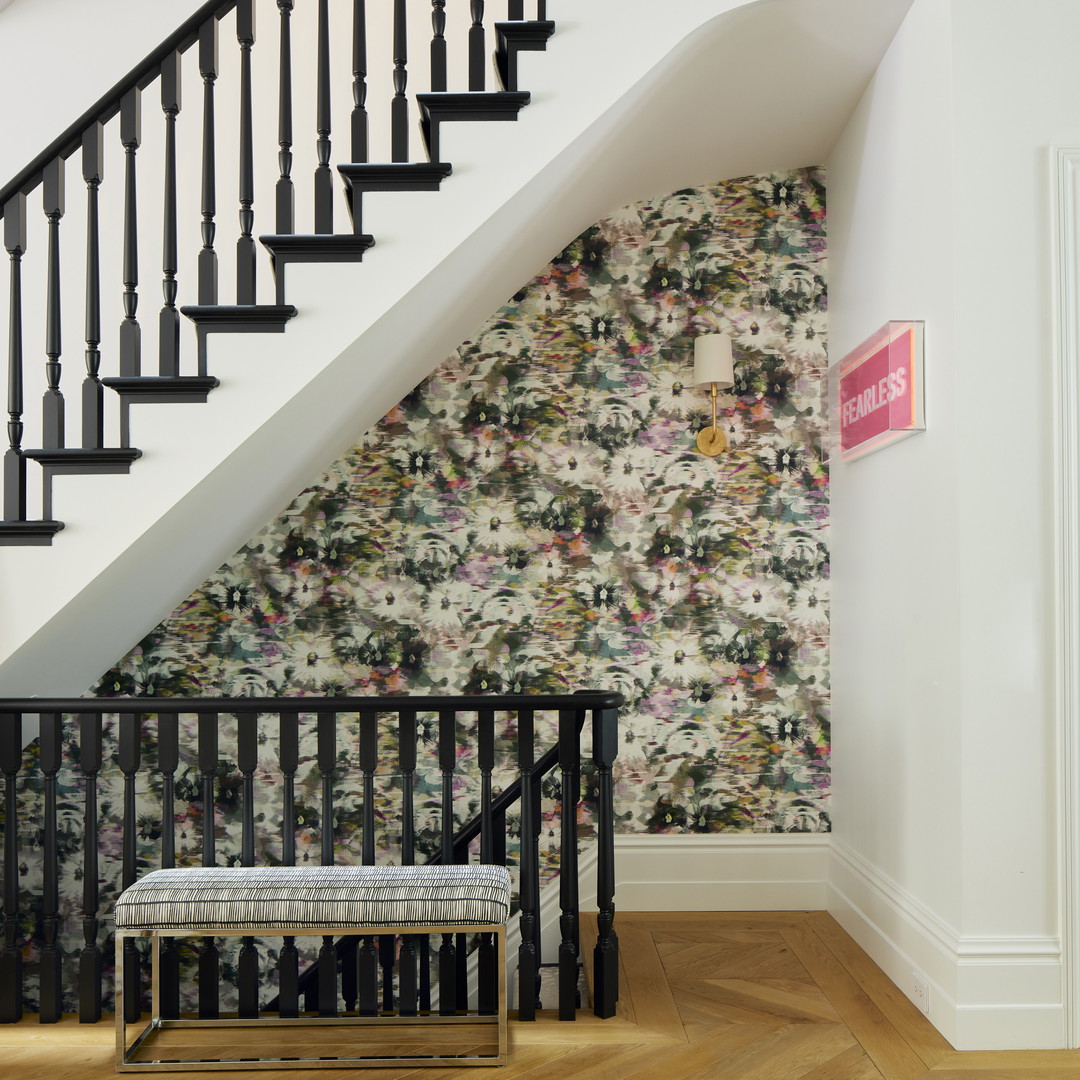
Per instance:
{"type": "Point", "coordinates": [528, 959]}
{"type": "Point", "coordinates": [168, 763]}
{"type": "Point", "coordinates": [476, 45]}
{"type": "Point", "coordinates": [245, 245]}
{"type": "Point", "coordinates": [49, 963]}
{"type": "Point", "coordinates": [498, 838]}
{"type": "Point", "coordinates": [367, 961]}
{"type": "Point", "coordinates": [324, 180]}
{"type": "Point", "coordinates": [209, 957]}
{"type": "Point", "coordinates": [247, 758]}
{"type": "Point", "coordinates": [11, 753]}
{"type": "Point", "coordinates": [285, 194]}
{"type": "Point", "coordinates": [93, 405]}
{"type": "Point", "coordinates": [438, 45]}
{"type": "Point", "coordinates": [289, 759]}
{"type": "Point", "coordinates": [399, 107]}
{"type": "Point", "coordinates": [327, 759]}
{"type": "Point", "coordinates": [485, 731]}
{"type": "Point", "coordinates": [169, 319]}
{"type": "Point", "coordinates": [369, 760]}
{"type": "Point", "coordinates": [359, 113]}
{"type": "Point", "coordinates": [387, 943]}
{"type": "Point", "coordinates": [208, 260]}
{"type": "Point", "coordinates": [130, 331]}
{"type": "Point", "coordinates": [407, 984]}
{"type": "Point", "coordinates": [90, 957]}
{"type": "Point", "coordinates": [52, 422]}
{"type": "Point", "coordinates": [541, 10]}
{"type": "Point", "coordinates": [568, 882]}
{"type": "Point", "coordinates": [448, 950]}
{"type": "Point", "coordinates": [424, 949]}
{"type": "Point", "coordinates": [487, 971]}
{"type": "Point", "coordinates": [515, 9]}
{"type": "Point", "coordinates": [129, 757]}
{"type": "Point", "coordinates": [14, 462]}
{"type": "Point", "coordinates": [606, 952]}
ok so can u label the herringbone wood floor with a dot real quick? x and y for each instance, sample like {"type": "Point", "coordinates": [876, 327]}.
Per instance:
{"type": "Point", "coordinates": [706, 996]}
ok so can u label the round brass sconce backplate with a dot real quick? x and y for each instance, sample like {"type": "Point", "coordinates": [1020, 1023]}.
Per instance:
{"type": "Point", "coordinates": [711, 441]}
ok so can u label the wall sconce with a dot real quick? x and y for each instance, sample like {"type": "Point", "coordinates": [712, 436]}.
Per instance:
{"type": "Point", "coordinates": [713, 367]}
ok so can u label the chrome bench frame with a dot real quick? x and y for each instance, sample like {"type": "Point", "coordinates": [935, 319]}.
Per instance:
{"type": "Point", "coordinates": [126, 1056]}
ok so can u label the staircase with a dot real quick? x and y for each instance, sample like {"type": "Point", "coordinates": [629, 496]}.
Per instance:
{"type": "Point", "coordinates": [261, 393]}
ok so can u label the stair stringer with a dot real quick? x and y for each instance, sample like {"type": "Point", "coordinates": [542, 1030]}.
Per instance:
{"type": "Point", "coordinates": [289, 404]}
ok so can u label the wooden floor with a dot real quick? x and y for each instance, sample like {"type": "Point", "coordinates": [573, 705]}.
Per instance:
{"type": "Point", "coordinates": [706, 996]}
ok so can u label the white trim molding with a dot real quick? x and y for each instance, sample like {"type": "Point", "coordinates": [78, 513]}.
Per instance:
{"type": "Point", "coordinates": [1065, 175]}
{"type": "Point", "coordinates": [1000, 993]}
{"type": "Point", "coordinates": [718, 872]}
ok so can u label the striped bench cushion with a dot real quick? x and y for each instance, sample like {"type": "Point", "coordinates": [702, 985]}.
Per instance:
{"type": "Point", "coordinates": [279, 897]}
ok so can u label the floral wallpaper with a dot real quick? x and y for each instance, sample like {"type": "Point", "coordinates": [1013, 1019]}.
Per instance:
{"type": "Point", "coordinates": [535, 517]}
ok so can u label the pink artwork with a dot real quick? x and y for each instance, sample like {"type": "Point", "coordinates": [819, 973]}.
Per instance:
{"type": "Point", "coordinates": [878, 393]}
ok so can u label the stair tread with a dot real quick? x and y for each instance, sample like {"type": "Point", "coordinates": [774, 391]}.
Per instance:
{"type": "Point", "coordinates": [268, 318]}
{"type": "Point", "coordinates": [474, 100]}
{"type": "Point", "coordinates": [529, 29]}
{"type": "Point", "coordinates": [395, 175]}
{"type": "Point", "coordinates": [162, 389]}
{"type": "Point", "coordinates": [29, 533]}
{"type": "Point", "coordinates": [315, 247]}
{"type": "Point", "coordinates": [236, 311]}
{"type": "Point", "coordinates": [85, 456]}
{"type": "Point", "coordinates": [130, 383]}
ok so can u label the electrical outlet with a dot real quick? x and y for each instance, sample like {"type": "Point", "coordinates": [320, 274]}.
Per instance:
{"type": "Point", "coordinates": [920, 991]}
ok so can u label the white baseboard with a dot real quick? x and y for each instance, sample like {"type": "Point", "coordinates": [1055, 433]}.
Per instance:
{"type": "Point", "coordinates": [716, 872]}
{"type": "Point", "coordinates": [1001, 993]}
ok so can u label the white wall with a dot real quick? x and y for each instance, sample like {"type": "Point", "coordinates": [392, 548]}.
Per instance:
{"type": "Point", "coordinates": [943, 641]}
{"type": "Point", "coordinates": [48, 79]}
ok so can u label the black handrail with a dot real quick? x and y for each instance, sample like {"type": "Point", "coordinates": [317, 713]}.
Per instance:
{"type": "Point", "coordinates": [586, 699]}
{"type": "Point", "coordinates": [108, 105]}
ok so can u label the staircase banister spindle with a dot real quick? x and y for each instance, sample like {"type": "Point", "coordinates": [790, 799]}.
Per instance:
{"type": "Point", "coordinates": [53, 202]}
{"type": "Point", "coordinates": [605, 748]}
{"type": "Point", "coordinates": [477, 58]}
{"type": "Point", "coordinates": [108, 105]}
{"type": "Point", "coordinates": [247, 759]}
{"type": "Point", "coordinates": [90, 748]}
{"type": "Point", "coordinates": [284, 192]}
{"type": "Point", "coordinates": [324, 178]}
{"type": "Point", "coordinates": [50, 759]}
{"type": "Point", "coordinates": [359, 67]}
{"type": "Point", "coordinates": [208, 259]}
{"type": "Point", "coordinates": [93, 169]}
{"type": "Point", "coordinates": [245, 244]}
{"type": "Point", "coordinates": [169, 318]}
{"type": "Point", "coordinates": [570, 725]}
{"type": "Point", "coordinates": [11, 964]}
{"type": "Point", "coordinates": [209, 957]}
{"type": "Point", "coordinates": [14, 462]}
{"type": "Point", "coordinates": [438, 45]}
{"type": "Point", "coordinates": [129, 758]}
{"type": "Point", "coordinates": [399, 106]}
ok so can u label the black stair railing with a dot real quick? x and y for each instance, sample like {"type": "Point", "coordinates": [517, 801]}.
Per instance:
{"type": "Point", "coordinates": [222, 38]}
{"type": "Point", "coordinates": [441, 775]}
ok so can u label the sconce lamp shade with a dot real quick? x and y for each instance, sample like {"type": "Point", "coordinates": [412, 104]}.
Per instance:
{"type": "Point", "coordinates": [712, 361]}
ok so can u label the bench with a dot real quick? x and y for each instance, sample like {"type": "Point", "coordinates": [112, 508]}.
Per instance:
{"type": "Point", "coordinates": [313, 901]}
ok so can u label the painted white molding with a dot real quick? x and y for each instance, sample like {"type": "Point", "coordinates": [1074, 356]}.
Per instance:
{"type": "Point", "coordinates": [996, 993]}
{"type": "Point", "coordinates": [1065, 177]}
{"type": "Point", "coordinates": [715, 872]}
